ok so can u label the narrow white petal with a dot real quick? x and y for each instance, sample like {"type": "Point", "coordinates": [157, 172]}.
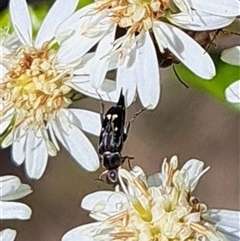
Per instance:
{"type": "Point", "coordinates": [8, 184]}
{"type": "Point", "coordinates": [5, 119]}
{"type": "Point", "coordinates": [228, 8]}
{"type": "Point", "coordinates": [86, 120]}
{"type": "Point", "coordinates": [78, 145]}
{"type": "Point", "coordinates": [199, 21]}
{"type": "Point", "coordinates": [3, 51]}
{"type": "Point", "coordinates": [83, 69]}
{"type": "Point", "coordinates": [227, 221]}
{"type": "Point", "coordinates": [148, 84]}
{"type": "Point", "coordinates": [36, 155]}
{"type": "Point", "coordinates": [14, 210]}
{"type": "Point", "coordinates": [82, 41]}
{"type": "Point", "coordinates": [3, 69]}
{"type": "Point", "coordinates": [183, 5]}
{"type": "Point", "coordinates": [188, 51]}
{"type": "Point", "coordinates": [193, 170]}
{"type": "Point", "coordinates": [59, 12]}
{"type": "Point", "coordinates": [85, 232]}
{"type": "Point", "coordinates": [155, 180]}
{"type": "Point", "coordinates": [127, 81]}
{"type": "Point", "coordinates": [107, 91]}
{"type": "Point", "coordinates": [75, 47]}
{"type": "Point", "coordinates": [103, 202]}
{"type": "Point", "coordinates": [73, 24]}
{"type": "Point", "coordinates": [162, 41]}
{"type": "Point", "coordinates": [138, 172]}
{"type": "Point", "coordinates": [97, 75]}
{"type": "Point", "coordinates": [232, 92]}
{"type": "Point", "coordinates": [8, 234]}
{"type": "Point", "coordinates": [21, 192]}
{"type": "Point", "coordinates": [231, 56]}
{"type": "Point", "coordinates": [19, 147]}
{"type": "Point", "coordinates": [8, 140]}
{"type": "Point", "coordinates": [21, 20]}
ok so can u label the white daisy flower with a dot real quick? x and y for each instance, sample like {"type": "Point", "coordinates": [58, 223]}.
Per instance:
{"type": "Point", "coordinates": [139, 27]}
{"type": "Point", "coordinates": [11, 189]}
{"type": "Point", "coordinates": [232, 56]}
{"type": "Point", "coordinates": [35, 92]}
{"type": "Point", "coordinates": [160, 208]}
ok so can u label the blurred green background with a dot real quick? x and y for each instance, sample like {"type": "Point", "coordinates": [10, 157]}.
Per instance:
{"type": "Point", "coordinates": [187, 122]}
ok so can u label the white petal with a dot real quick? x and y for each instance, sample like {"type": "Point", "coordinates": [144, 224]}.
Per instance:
{"type": "Point", "coordinates": [103, 204]}
{"type": "Point", "coordinates": [72, 24]}
{"type": "Point", "coordinates": [193, 170]}
{"type": "Point", "coordinates": [86, 120]}
{"type": "Point", "coordinates": [79, 44]}
{"type": "Point", "coordinates": [232, 92]}
{"type": "Point", "coordinates": [8, 234]}
{"type": "Point", "coordinates": [199, 21]}
{"type": "Point", "coordinates": [107, 91]}
{"type": "Point", "coordinates": [21, 192]}
{"type": "Point", "coordinates": [188, 51]}
{"type": "Point", "coordinates": [75, 47]}
{"type": "Point", "coordinates": [3, 69]}
{"type": "Point", "coordinates": [183, 5]}
{"type": "Point", "coordinates": [228, 8]}
{"type": "Point", "coordinates": [5, 119]}
{"type": "Point", "coordinates": [21, 20]}
{"type": "Point", "coordinates": [8, 184]}
{"type": "Point", "coordinates": [83, 233]}
{"type": "Point", "coordinates": [19, 149]}
{"type": "Point", "coordinates": [60, 11]}
{"type": "Point", "coordinates": [36, 155]}
{"type": "Point", "coordinates": [138, 172]}
{"type": "Point", "coordinates": [127, 81]}
{"type": "Point", "coordinates": [227, 221]}
{"type": "Point", "coordinates": [14, 210]}
{"type": "Point", "coordinates": [97, 75]}
{"type": "Point", "coordinates": [83, 69]}
{"type": "Point", "coordinates": [147, 70]}
{"type": "Point", "coordinates": [155, 180]}
{"type": "Point", "coordinates": [231, 56]}
{"type": "Point", "coordinates": [90, 201]}
{"type": "Point", "coordinates": [8, 140]}
{"type": "Point", "coordinates": [78, 145]}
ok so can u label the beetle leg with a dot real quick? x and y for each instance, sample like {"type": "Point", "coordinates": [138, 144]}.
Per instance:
{"type": "Point", "coordinates": [133, 118]}
{"type": "Point", "coordinates": [102, 107]}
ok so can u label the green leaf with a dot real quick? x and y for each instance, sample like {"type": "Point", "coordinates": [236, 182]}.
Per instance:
{"type": "Point", "coordinates": [84, 3]}
{"type": "Point", "coordinates": [225, 75]}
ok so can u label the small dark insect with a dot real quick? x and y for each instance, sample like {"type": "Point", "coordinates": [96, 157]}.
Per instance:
{"type": "Point", "coordinates": [113, 135]}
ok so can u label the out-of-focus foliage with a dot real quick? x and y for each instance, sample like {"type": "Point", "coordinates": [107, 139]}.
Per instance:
{"type": "Point", "coordinates": [225, 75]}
{"type": "Point", "coordinates": [83, 3]}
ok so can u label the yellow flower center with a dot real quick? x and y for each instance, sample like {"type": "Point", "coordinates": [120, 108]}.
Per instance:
{"type": "Point", "coordinates": [34, 86]}
{"type": "Point", "coordinates": [137, 15]}
{"type": "Point", "coordinates": [168, 212]}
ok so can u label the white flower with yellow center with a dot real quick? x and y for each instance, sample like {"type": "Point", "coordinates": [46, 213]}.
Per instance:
{"type": "Point", "coordinates": [11, 189]}
{"type": "Point", "coordinates": [160, 209]}
{"type": "Point", "coordinates": [35, 92]}
{"type": "Point", "coordinates": [232, 56]}
{"type": "Point", "coordinates": [127, 33]}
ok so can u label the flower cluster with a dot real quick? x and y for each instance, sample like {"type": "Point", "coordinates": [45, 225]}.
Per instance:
{"type": "Point", "coordinates": [35, 91]}
{"type": "Point", "coordinates": [160, 208]}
